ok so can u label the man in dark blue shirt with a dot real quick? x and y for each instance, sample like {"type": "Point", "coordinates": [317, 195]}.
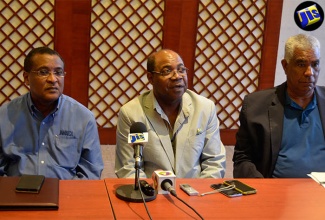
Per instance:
{"type": "Point", "coordinates": [282, 129]}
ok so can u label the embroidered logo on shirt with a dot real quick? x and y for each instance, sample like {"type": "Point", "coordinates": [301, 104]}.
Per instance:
{"type": "Point", "coordinates": [66, 133]}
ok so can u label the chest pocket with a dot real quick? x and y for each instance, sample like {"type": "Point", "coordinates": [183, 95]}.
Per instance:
{"type": "Point", "coordinates": [66, 152]}
{"type": "Point", "coordinates": [197, 141]}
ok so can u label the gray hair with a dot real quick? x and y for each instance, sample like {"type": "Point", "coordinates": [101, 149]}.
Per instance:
{"type": "Point", "coordinates": [301, 41]}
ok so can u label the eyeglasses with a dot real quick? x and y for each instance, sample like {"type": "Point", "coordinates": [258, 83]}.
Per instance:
{"type": "Point", "coordinates": [44, 73]}
{"type": "Point", "coordinates": [168, 71]}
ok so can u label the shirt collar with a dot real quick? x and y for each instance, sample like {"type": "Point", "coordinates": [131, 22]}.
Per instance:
{"type": "Point", "coordinates": [34, 111]}
{"type": "Point", "coordinates": [184, 105]}
{"type": "Point", "coordinates": [290, 102]}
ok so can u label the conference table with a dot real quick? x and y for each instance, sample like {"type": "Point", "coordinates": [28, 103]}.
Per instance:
{"type": "Point", "coordinates": [96, 199]}
{"type": "Point", "coordinates": [275, 199]}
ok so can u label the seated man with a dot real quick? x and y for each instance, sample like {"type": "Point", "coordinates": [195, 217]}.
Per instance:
{"type": "Point", "coordinates": [183, 128]}
{"type": "Point", "coordinates": [282, 129]}
{"type": "Point", "coordinates": [45, 132]}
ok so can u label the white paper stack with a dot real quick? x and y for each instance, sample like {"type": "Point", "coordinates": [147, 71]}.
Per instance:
{"type": "Point", "coordinates": [319, 177]}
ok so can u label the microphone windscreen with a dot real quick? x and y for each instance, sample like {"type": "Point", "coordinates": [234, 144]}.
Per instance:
{"type": "Point", "coordinates": [138, 127]}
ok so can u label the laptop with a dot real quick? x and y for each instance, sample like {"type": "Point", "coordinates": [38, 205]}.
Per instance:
{"type": "Point", "coordinates": [46, 199]}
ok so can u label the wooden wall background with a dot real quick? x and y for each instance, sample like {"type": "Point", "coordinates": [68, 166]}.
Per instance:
{"type": "Point", "coordinates": [230, 48]}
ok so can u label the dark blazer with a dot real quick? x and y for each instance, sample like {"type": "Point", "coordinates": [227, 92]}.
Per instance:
{"type": "Point", "coordinates": [259, 137]}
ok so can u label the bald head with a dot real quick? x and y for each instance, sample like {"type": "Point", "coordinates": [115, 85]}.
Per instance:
{"type": "Point", "coordinates": [152, 59]}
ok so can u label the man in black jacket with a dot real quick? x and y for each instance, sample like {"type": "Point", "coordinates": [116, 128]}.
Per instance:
{"type": "Point", "coordinates": [282, 129]}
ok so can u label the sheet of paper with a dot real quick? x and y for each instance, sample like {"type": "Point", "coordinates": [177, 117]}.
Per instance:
{"type": "Point", "coordinates": [319, 177]}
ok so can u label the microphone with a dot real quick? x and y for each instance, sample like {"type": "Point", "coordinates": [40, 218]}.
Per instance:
{"type": "Point", "coordinates": [167, 185]}
{"type": "Point", "coordinates": [164, 182]}
{"type": "Point", "coordinates": [132, 193]}
{"type": "Point", "coordinates": [137, 138]}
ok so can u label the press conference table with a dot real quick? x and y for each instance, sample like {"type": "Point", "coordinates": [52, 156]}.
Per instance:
{"type": "Point", "coordinates": [275, 199]}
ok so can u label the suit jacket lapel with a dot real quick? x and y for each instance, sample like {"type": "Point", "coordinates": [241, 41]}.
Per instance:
{"type": "Point", "coordinates": [320, 96]}
{"type": "Point", "coordinates": [182, 136]}
{"type": "Point", "coordinates": [159, 127]}
{"type": "Point", "coordinates": [276, 123]}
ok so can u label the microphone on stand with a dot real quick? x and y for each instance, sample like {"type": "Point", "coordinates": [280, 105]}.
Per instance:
{"type": "Point", "coordinates": [132, 193]}
{"type": "Point", "coordinates": [137, 138]}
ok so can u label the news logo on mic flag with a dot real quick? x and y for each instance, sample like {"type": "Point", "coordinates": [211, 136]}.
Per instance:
{"type": "Point", "coordinates": [309, 16]}
{"type": "Point", "coordinates": [165, 173]}
{"type": "Point", "coordinates": [135, 138]}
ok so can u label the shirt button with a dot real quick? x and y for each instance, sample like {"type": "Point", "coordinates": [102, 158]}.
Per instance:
{"type": "Point", "coordinates": [43, 144]}
{"type": "Point", "coordinates": [42, 162]}
{"type": "Point", "coordinates": [43, 123]}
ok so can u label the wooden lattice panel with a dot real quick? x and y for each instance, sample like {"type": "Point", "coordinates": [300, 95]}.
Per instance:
{"type": "Point", "coordinates": [123, 34]}
{"type": "Point", "coordinates": [23, 25]}
{"type": "Point", "coordinates": [228, 54]}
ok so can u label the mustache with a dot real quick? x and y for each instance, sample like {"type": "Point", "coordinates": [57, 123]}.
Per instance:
{"type": "Point", "coordinates": [51, 87]}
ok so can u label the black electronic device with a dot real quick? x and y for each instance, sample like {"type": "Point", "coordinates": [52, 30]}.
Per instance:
{"type": "Point", "coordinates": [241, 187]}
{"type": "Point", "coordinates": [146, 188]}
{"type": "Point", "coordinates": [30, 183]}
{"type": "Point", "coordinates": [225, 190]}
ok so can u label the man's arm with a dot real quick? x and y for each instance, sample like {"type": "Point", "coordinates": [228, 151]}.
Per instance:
{"type": "Point", "coordinates": [2, 160]}
{"type": "Point", "coordinates": [213, 155]}
{"type": "Point", "coordinates": [90, 165]}
{"type": "Point", "coordinates": [243, 153]}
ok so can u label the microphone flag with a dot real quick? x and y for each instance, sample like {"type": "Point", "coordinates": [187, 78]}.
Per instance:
{"type": "Point", "coordinates": [161, 176]}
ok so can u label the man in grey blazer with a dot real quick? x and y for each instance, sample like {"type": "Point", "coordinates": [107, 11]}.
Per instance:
{"type": "Point", "coordinates": [183, 128]}
{"type": "Point", "coordinates": [282, 129]}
